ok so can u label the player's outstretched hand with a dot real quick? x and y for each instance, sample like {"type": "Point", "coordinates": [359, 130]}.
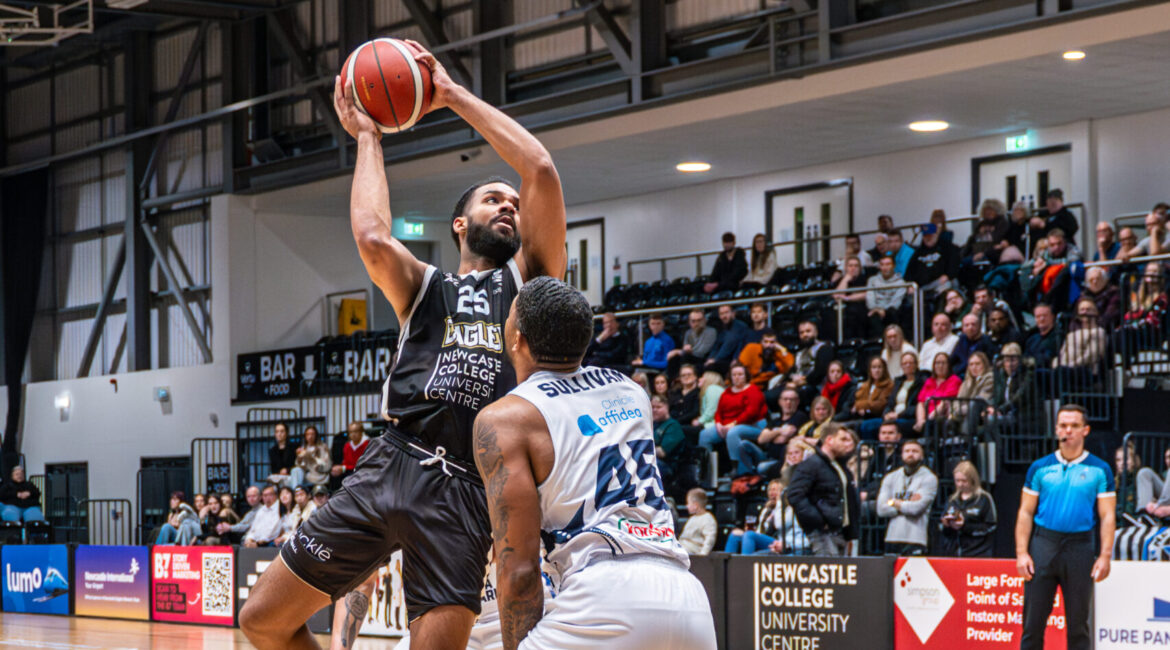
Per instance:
{"type": "Point", "coordinates": [444, 85]}
{"type": "Point", "coordinates": [352, 120]}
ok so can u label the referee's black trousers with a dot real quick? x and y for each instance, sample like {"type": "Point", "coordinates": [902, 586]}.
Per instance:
{"type": "Point", "coordinates": [1064, 560]}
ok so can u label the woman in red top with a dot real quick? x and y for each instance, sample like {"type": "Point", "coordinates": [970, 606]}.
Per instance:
{"type": "Point", "coordinates": [740, 415]}
{"type": "Point", "coordinates": [942, 384]}
{"type": "Point", "coordinates": [836, 383]}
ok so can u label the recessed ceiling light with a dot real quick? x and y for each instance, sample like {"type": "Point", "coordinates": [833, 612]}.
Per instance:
{"type": "Point", "coordinates": [1073, 55]}
{"type": "Point", "coordinates": [693, 167]}
{"type": "Point", "coordinates": [926, 126]}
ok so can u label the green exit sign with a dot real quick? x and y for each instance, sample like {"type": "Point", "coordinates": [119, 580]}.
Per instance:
{"type": "Point", "coordinates": [1017, 142]}
{"type": "Point", "coordinates": [412, 229]}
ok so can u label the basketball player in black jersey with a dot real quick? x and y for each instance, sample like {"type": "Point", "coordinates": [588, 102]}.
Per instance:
{"type": "Point", "coordinates": [417, 488]}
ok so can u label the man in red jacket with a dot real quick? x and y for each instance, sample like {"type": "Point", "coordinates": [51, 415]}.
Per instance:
{"type": "Point", "coordinates": [353, 449]}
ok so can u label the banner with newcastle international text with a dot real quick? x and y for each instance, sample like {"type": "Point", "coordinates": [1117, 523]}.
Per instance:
{"type": "Point", "coordinates": [974, 604]}
{"type": "Point", "coordinates": [112, 582]}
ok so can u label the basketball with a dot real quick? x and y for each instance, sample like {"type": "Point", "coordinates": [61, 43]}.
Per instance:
{"type": "Point", "coordinates": [388, 84]}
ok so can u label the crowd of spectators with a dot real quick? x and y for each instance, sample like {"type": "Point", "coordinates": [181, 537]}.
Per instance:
{"type": "Point", "coordinates": [1014, 321]}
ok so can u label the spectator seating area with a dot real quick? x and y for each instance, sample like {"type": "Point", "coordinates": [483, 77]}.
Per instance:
{"type": "Point", "coordinates": [1006, 339]}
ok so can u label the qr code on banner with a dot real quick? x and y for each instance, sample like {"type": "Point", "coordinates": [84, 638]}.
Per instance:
{"type": "Point", "coordinates": [217, 584]}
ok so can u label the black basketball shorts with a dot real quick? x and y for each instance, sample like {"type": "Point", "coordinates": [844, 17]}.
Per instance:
{"type": "Point", "coordinates": [391, 502]}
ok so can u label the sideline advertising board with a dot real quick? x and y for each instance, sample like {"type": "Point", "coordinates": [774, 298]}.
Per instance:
{"type": "Point", "coordinates": [776, 602]}
{"type": "Point", "coordinates": [387, 614]}
{"type": "Point", "coordinates": [193, 584]}
{"type": "Point", "coordinates": [250, 563]}
{"type": "Point", "coordinates": [112, 582]}
{"type": "Point", "coordinates": [35, 579]}
{"type": "Point", "coordinates": [1132, 606]}
{"type": "Point", "coordinates": [975, 604]}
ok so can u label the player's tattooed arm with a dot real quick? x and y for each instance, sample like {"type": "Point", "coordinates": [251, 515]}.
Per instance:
{"type": "Point", "coordinates": [514, 507]}
{"type": "Point", "coordinates": [356, 606]}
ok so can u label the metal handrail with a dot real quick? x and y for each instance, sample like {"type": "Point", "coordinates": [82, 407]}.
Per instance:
{"type": "Point", "coordinates": [912, 287]}
{"type": "Point", "coordinates": [1133, 260]}
{"type": "Point", "coordinates": [698, 255]}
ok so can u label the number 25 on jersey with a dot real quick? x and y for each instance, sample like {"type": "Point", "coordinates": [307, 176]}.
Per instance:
{"type": "Point", "coordinates": [472, 301]}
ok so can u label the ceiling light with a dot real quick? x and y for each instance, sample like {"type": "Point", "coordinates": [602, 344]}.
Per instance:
{"type": "Point", "coordinates": [693, 167]}
{"type": "Point", "coordinates": [1073, 55]}
{"type": "Point", "coordinates": [927, 126]}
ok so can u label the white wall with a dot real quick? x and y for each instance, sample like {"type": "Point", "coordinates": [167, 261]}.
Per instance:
{"type": "Point", "coordinates": [1133, 167]}
{"type": "Point", "coordinates": [906, 185]}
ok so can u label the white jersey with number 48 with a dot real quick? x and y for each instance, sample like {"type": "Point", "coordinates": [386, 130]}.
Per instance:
{"type": "Point", "coordinates": [603, 498]}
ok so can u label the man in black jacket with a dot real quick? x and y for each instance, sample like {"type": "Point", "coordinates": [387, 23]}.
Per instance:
{"type": "Point", "coordinates": [20, 499]}
{"type": "Point", "coordinates": [610, 348]}
{"type": "Point", "coordinates": [823, 495]}
{"type": "Point", "coordinates": [730, 267]}
{"type": "Point", "coordinates": [935, 264]}
{"type": "Point", "coordinates": [1055, 215]}
{"type": "Point", "coordinates": [809, 370]}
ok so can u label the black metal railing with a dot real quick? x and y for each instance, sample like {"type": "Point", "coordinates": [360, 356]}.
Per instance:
{"type": "Point", "coordinates": [102, 522]}
{"type": "Point", "coordinates": [215, 464]}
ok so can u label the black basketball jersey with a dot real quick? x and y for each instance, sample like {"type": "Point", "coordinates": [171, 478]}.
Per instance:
{"type": "Point", "coordinates": [451, 361]}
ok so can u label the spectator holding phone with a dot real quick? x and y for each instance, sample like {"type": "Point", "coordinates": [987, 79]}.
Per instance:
{"type": "Point", "coordinates": [968, 522]}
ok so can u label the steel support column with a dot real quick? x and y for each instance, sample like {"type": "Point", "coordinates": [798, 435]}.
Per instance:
{"type": "Point", "coordinates": [491, 73]}
{"type": "Point", "coordinates": [138, 72]}
{"type": "Point", "coordinates": [649, 51]}
{"type": "Point", "coordinates": [355, 24]}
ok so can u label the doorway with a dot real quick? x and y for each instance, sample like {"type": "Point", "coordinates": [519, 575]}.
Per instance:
{"type": "Point", "coordinates": [585, 244]}
{"type": "Point", "coordinates": [66, 486]}
{"type": "Point", "coordinates": [1025, 176]}
{"type": "Point", "coordinates": [805, 214]}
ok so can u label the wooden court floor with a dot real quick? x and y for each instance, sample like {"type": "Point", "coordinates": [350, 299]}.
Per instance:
{"type": "Point", "coordinates": [74, 633]}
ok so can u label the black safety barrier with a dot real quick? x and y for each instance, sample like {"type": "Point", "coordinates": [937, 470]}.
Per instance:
{"type": "Point", "coordinates": [103, 522]}
{"type": "Point", "coordinates": [215, 464]}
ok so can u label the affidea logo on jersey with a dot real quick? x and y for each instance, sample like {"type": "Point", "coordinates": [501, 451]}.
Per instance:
{"type": "Point", "coordinates": [614, 411]}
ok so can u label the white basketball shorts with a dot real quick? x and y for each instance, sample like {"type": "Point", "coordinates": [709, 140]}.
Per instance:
{"type": "Point", "coordinates": [636, 604]}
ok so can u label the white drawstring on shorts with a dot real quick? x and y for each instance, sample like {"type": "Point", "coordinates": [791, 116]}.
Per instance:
{"type": "Point", "coordinates": [437, 457]}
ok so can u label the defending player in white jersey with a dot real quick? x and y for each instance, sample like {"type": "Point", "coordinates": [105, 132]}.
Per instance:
{"type": "Point", "coordinates": [568, 457]}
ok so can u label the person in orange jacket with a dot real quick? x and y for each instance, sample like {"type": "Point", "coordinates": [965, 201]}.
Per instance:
{"type": "Point", "coordinates": [766, 359]}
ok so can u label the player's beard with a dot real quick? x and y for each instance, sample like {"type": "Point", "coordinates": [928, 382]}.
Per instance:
{"type": "Point", "coordinates": [485, 242]}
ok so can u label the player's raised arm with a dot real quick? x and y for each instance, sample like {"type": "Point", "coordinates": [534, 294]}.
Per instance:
{"type": "Point", "coordinates": [542, 203]}
{"type": "Point", "coordinates": [391, 266]}
{"type": "Point", "coordinates": [501, 454]}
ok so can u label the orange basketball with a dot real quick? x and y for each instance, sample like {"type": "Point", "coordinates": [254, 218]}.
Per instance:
{"type": "Point", "coordinates": [388, 84]}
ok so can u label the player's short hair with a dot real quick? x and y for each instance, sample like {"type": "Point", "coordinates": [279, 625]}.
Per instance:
{"type": "Point", "coordinates": [461, 204]}
{"type": "Point", "coordinates": [699, 495]}
{"type": "Point", "coordinates": [916, 442]}
{"type": "Point", "coordinates": [555, 318]}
